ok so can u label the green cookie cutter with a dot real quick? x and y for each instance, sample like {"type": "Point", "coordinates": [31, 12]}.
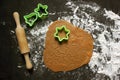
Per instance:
{"type": "Point", "coordinates": [41, 10]}
{"type": "Point", "coordinates": [31, 18]}
{"type": "Point", "coordinates": [67, 31]}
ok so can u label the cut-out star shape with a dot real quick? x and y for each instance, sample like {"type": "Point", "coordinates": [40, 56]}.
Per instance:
{"type": "Point", "coordinates": [41, 10]}
{"type": "Point", "coordinates": [67, 31]}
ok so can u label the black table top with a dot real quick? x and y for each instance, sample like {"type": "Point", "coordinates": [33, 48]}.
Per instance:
{"type": "Point", "coordinates": [10, 56]}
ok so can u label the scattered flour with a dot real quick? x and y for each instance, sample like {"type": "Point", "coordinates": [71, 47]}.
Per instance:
{"type": "Point", "coordinates": [106, 52]}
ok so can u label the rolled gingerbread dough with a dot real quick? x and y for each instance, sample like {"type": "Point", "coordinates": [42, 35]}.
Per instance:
{"type": "Point", "coordinates": [67, 55]}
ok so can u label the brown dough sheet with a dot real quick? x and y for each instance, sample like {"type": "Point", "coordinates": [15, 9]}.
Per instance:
{"type": "Point", "coordinates": [70, 54]}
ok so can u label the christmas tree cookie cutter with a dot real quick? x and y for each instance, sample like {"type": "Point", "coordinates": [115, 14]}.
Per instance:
{"type": "Point", "coordinates": [41, 10]}
{"type": "Point", "coordinates": [31, 18]}
{"type": "Point", "coordinates": [67, 31]}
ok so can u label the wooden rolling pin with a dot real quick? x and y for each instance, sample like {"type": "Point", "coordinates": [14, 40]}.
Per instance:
{"type": "Point", "coordinates": [22, 41]}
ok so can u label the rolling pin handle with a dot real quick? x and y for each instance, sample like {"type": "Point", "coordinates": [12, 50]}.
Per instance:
{"type": "Point", "coordinates": [17, 18]}
{"type": "Point", "coordinates": [28, 61]}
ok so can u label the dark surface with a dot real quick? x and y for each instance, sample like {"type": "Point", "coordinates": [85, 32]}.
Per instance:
{"type": "Point", "coordinates": [8, 56]}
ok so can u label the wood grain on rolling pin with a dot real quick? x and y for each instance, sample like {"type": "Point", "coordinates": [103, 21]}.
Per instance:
{"type": "Point", "coordinates": [22, 41]}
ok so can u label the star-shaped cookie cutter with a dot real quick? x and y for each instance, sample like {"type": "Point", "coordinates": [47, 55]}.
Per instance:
{"type": "Point", "coordinates": [67, 31]}
{"type": "Point", "coordinates": [41, 10]}
{"type": "Point", "coordinates": [31, 18]}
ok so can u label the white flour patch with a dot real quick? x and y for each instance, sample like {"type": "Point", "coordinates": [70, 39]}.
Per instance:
{"type": "Point", "coordinates": [108, 60]}
{"type": "Point", "coordinates": [106, 53]}
{"type": "Point", "coordinates": [115, 17]}
{"type": "Point", "coordinates": [36, 37]}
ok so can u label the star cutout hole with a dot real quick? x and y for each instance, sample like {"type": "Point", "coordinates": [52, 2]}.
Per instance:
{"type": "Point", "coordinates": [41, 10]}
{"type": "Point", "coordinates": [61, 33]}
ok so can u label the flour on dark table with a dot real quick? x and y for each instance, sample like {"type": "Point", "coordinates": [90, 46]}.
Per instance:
{"type": "Point", "coordinates": [102, 24]}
